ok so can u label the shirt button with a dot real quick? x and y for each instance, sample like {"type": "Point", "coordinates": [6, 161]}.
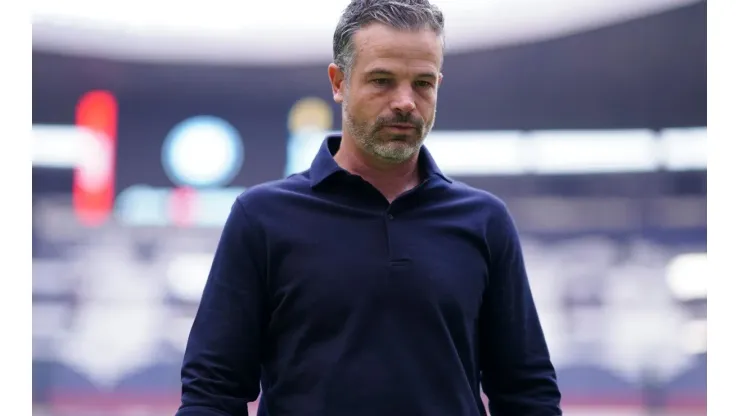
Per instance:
{"type": "Point", "coordinates": [390, 216]}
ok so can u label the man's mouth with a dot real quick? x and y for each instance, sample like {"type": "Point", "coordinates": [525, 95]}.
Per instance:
{"type": "Point", "coordinates": [401, 126]}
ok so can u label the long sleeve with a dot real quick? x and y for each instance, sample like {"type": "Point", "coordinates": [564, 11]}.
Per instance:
{"type": "Point", "coordinates": [517, 374]}
{"type": "Point", "coordinates": [221, 367]}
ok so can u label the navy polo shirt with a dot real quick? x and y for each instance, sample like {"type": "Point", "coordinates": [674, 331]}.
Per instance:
{"type": "Point", "coordinates": [333, 302]}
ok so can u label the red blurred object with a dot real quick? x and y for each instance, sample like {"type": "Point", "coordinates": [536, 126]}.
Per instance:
{"type": "Point", "coordinates": [181, 205]}
{"type": "Point", "coordinates": [93, 188]}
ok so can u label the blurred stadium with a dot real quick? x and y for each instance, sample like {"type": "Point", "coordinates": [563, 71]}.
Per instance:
{"type": "Point", "coordinates": [587, 117]}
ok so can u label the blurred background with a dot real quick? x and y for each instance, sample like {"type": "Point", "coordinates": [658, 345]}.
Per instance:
{"type": "Point", "coordinates": [588, 117]}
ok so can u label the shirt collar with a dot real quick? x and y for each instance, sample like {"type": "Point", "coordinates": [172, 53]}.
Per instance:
{"type": "Point", "coordinates": [324, 165]}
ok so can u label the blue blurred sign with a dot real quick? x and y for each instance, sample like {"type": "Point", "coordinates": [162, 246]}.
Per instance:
{"type": "Point", "coordinates": [203, 151]}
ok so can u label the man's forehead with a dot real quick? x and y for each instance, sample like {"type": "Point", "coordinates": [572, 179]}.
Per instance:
{"type": "Point", "coordinates": [381, 41]}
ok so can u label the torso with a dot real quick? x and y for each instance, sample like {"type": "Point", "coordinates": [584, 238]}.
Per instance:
{"type": "Point", "coordinates": [357, 283]}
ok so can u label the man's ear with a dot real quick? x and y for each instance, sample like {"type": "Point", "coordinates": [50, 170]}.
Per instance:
{"type": "Point", "coordinates": [337, 79]}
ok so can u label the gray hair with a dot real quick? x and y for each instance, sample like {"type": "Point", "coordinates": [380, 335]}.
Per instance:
{"type": "Point", "coordinates": [399, 14]}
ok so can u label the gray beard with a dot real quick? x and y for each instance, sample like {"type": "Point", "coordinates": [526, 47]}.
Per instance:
{"type": "Point", "coordinates": [394, 151]}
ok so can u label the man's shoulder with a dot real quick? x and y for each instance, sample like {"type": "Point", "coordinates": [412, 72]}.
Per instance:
{"type": "Point", "coordinates": [490, 202]}
{"type": "Point", "coordinates": [490, 208]}
{"type": "Point", "coordinates": [268, 193]}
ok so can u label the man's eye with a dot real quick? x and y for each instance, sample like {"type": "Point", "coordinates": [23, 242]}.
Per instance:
{"type": "Point", "coordinates": [424, 84]}
{"type": "Point", "coordinates": [381, 81]}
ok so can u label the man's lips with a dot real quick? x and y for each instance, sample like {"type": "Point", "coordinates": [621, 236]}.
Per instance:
{"type": "Point", "coordinates": [401, 126]}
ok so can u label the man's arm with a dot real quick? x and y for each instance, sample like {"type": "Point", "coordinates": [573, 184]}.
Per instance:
{"type": "Point", "coordinates": [517, 374]}
{"type": "Point", "coordinates": [221, 368]}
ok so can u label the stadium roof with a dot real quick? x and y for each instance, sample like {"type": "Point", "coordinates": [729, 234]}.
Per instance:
{"type": "Point", "coordinates": [295, 31]}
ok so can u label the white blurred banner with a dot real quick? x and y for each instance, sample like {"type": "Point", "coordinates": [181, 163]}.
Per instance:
{"type": "Point", "coordinates": [295, 31]}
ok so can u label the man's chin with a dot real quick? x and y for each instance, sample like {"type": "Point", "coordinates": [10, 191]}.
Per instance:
{"type": "Point", "coordinates": [396, 151]}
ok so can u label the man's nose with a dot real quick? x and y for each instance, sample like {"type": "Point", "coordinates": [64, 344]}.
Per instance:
{"type": "Point", "coordinates": [404, 102]}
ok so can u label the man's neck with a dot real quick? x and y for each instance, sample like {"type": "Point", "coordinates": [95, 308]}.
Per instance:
{"type": "Point", "coordinates": [391, 179]}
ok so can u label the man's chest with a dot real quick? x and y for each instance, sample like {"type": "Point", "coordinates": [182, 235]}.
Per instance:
{"type": "Point", "coordinates": [395, 263]}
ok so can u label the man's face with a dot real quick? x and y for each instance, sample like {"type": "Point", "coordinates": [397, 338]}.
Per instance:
{"type": "Point", "coordinates": [390, 99]}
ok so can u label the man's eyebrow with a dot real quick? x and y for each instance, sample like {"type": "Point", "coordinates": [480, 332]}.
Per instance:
{"type": "Point", "coordinates": [386, 72]}
{"type": "Point", "coordinates": [427, 75]}
{"type": "Point", "coordinates": [378, 71]}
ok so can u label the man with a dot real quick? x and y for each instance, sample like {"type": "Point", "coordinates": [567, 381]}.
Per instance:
{"type": "Point", "coordinates": [371, 284]}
